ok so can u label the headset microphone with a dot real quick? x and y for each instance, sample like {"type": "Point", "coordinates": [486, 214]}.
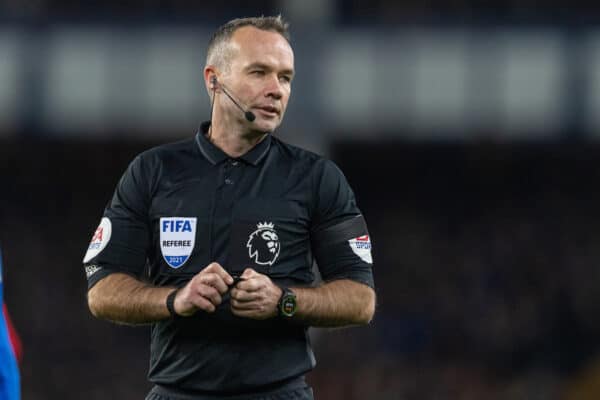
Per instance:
{"type": "Point", "coordinates": [249, 115]}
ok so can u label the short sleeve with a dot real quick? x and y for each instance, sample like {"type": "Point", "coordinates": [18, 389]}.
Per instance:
{"type": "Point", "coordinates": [340, 239]}
{"type": "Point", "coordinates": [120, 242]}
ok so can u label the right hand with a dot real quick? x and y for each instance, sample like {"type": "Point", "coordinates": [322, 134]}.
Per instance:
{"type": "Point", "coordinates": [204, 291]}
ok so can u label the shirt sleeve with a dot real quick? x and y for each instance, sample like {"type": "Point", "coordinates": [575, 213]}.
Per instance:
{"type": "Point", "coordinates": [120, 242]}
{"type": "Point", "coordinates": [339, 237]}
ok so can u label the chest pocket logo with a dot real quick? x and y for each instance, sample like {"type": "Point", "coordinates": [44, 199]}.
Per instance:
{"type": "Point", "coordinates": [177, 238]}
{"type": "Point", "coordinates": [263, 244]}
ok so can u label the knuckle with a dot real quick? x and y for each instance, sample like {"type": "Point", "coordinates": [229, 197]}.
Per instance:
{"type": "Point", "coordinates": [217, 266]}
{"type": "Point", "coordinates": [204, 291]}
{"type": "Point", "coordinates": [212, 293]}
{"type": "Point", "coordinates": [221, 289]}
{"type": "Point", "coordinates": [203, 275]}
{"type": "Point", "coordinates": [210, 267]}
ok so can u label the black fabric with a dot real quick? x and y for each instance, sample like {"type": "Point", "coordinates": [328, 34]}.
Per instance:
{"type": "Point", "coordinates": [266, 210]}
{"type": "Point", "coordinates": [295, 394]}
{"type": "Point", "coordinates": [294, 389]}
{"type": "Point", "coordinates": [333, 250]}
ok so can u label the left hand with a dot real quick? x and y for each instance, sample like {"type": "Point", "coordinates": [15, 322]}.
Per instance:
{"type": "Point", "coordinates": [255, 296]}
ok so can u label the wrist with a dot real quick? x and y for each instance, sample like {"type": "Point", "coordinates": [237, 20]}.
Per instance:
{"type": "Point", "coordinates": [170, 302]}
{"type": "Point", "coordinates": [287, 304]}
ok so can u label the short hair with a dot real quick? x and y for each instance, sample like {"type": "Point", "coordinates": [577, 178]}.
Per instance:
{"type": "Point", "coordinates": [218, 53]}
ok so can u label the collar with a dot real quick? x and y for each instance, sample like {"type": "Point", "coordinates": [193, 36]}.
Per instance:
{"type": "Point", "coordinates": [215, 155]}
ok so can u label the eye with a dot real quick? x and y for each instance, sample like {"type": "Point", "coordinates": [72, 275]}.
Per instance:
{"type": "Point", "coordinates": [285, 78]}
{"type": "Point", "coordinates": [258, 72]}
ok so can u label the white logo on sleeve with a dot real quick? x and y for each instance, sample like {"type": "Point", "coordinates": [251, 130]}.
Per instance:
{"type": "Point", "coordinates": [177, 238]}
{"type": "Point", "coordinates": [361, 246]}
{"type": "Point", "coordinates": [99, 240]}
{"type": "Point", "coordinates": [91, 270]}
{"type": "Point", "coordinates": [263, 244]}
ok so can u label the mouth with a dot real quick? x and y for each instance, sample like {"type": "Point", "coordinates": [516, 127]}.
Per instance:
{"type": "Point", "coordinates": [270, 111]}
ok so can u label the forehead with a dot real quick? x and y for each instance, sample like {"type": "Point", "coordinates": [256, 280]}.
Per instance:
{"type": "Point", "coordinates": [251, 45]}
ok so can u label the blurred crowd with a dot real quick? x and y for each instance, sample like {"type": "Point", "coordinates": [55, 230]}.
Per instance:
{"type": "Point", "coordinates": [131, 9]}
{"type": "Point", "coordinates": [386, 12]}
{"type": "Point", "coordinates": [391, 12]}
{"type": "Point", "coordinates": [486, 264]}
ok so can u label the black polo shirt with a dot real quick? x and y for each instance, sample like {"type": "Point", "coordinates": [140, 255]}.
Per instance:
{"type": "Point", "coordinates": [181, 206]}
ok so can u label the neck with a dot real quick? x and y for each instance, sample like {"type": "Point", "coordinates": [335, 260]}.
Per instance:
{"type": "Point", "coordinates": [232, 137]}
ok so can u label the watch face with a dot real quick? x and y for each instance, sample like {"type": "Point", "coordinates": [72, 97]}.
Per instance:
{"type": "Point", "coordinates": [288, 305]}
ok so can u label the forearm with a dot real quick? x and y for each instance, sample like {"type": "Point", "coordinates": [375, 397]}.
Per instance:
{"type": "Point", "coordinates": [123, 299]}
{"type": "Point", "coordinates": [335, 304]}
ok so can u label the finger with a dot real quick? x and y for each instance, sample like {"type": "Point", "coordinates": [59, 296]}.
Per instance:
{"type": "Point", "coordinates": [210, 293]}
{"type": "Point", "coordinates": [239, 305]}
{"type": "Point", "coordinates": [250, 285]}
{"type": "Point", "coordinates": [236, 279]}
{"type": "Point", "coordinates": [245, 305]}
{"type": "Point", "coordinates": [243, 296]}
{"type": "Point", "coordinates": [219, 270]}
{"type": "Point", "coordinates": [250, 313]}
{"type": "Point", "coordinates": [248, 273]}
{"type": "Point", "coordinates": [241, 313]}
{"type": "Point", "coordinates": [215, 281]}
{"type": "Point", "coordinates": [203, 304]}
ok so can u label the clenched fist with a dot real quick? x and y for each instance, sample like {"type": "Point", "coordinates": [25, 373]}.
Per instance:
{"type": "Point", "coordinates": [204, 292]}
{"type": "Point", "coordinates": [255, 296]}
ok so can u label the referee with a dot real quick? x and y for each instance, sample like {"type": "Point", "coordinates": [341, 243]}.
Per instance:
{"type": "Point", "coordinates": [212, 239]}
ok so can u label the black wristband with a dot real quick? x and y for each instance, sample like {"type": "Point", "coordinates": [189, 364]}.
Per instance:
{"type": "Point", "coordinates": [171, 303]}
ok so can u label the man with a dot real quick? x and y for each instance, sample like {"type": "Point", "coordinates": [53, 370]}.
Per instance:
{"type": "Point", "coordinates": [9, 371]}
{"type": "Point", "coordinates": [211, 240]}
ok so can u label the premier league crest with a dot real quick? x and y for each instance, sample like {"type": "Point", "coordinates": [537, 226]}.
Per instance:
{"type": "Point", "coordinates": [177, 237]}
{"type": "Point", "coordinates": [263, 244]}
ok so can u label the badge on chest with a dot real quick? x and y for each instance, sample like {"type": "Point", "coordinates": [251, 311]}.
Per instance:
{"type": "Point", "coordinates": [263, 244]}
{"type": "Point", "coordinates": [177, 237]}
{"type": "Point", "coordinates": [254, 245]}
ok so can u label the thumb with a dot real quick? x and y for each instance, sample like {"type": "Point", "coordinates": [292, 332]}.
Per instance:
{"type": "Point", "coordinates": [248, 273]}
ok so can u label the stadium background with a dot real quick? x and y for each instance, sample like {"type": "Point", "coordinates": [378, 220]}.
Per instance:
{"type": "Point", "coordinates": [469, 133]}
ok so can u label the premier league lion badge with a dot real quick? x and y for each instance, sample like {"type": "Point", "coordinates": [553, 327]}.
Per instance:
{"type": "Point", "coordinates": [263, 244]}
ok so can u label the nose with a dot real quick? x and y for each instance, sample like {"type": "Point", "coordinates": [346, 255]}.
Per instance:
{"type": "Point", "coordinates": [274, 88]}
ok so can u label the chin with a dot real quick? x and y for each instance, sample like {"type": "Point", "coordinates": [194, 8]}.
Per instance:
{"type": "Point", "coordinates": [266, 126]}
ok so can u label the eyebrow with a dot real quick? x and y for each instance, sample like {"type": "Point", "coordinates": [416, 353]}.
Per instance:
{"type": "Point", "coordinates": [265, 66]}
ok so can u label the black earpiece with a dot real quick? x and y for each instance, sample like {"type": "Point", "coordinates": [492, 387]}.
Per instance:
{"type": "Point", "coordinates": [213, 81]}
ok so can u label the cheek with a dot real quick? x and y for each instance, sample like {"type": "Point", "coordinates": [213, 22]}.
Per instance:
{"type": "Point", "coordinates": [248, 89]}
{"type": "Point", "coordinates": [286, 97]}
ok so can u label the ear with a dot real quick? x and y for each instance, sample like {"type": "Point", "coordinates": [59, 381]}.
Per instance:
{"type": "Point", "coordinates": [210, 78]}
